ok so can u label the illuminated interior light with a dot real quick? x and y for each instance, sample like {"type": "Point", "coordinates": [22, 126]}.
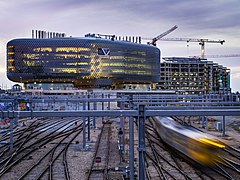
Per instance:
{"type": "Point", "coordinates": [71, 49]}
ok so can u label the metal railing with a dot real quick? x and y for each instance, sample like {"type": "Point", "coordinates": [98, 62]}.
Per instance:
{"type": "Point", "coordinates": [132, 105]}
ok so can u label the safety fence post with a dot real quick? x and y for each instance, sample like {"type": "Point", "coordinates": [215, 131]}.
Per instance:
{"type": "Point", "coordinates": [84, 127]}
{"type": "Point", "coordinates": [88, 98]}
{"type": "Point", "coordinates": [141, 142]}
{"type": "Point", "coordinates": [131, 139]}
{"type": "Point", "coordinates": [11, 133]}
{"type": "Point", "coordinates": [95, 108]}
{"type": "Point", "coordinates": [102, 105]}
{"type": "Point", "coordinates": [223, 126]}
{"type": "Point", "coordinates": [122, 127]}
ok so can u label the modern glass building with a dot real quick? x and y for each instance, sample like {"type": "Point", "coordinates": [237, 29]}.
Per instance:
{"type": "Point", "coordinates": [88, 62]}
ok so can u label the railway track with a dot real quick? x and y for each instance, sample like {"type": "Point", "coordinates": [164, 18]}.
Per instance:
{"type": "Point", "coordinates": [228, 166]}
{"type": "Point", "coordinates": [229, 163]}
{"type": "Point", "coordinates": [158, 155]}
{"type": "Point", "coordinates": [37, 151]}
{"type": "Point", "coordinates": [35, 129]}
{"type": "Point", "coordinates": [167, 165]}
{"type": "Point", "coordinates": [54, 162]}
{"type": "Point", "coordinates": [36, 126]}
{"type": "Point", "coordinates": [99, 166]}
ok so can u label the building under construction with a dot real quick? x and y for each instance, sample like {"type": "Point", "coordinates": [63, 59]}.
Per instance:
{"type": "Point", "coordinates": [193, 76]}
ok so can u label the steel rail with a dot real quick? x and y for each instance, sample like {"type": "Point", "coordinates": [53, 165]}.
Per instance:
{"type": "Point", "coordinates": [128, 113]}
{"type": "Point", "coordinates": [53, 159]}
{"type": "Point", "coordinates": [46, 154]}
{"type": "Point", "coordinates": [42, 141]}
{"type": "Point", "coordinates": [158, 167]}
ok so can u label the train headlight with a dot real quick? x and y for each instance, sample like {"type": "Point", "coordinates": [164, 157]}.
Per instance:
{"type": "Point", "coordinates": [211, 142]}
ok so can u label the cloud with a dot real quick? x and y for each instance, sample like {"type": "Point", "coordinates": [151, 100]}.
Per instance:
{"type": "Point", "coordinates": [235, 68]}
{"type": "Point", "coordinates": [212, 19]}
{"type": "Point", "coordinates": [235, 78]}
{"type": "Point", "coordinates": [154, 15]}
{"type": "Point", "coordinates": [2, 70]}
{"type": "Point", "coordinates": [235, 73]}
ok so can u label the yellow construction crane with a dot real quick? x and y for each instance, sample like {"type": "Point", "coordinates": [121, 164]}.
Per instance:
{"type": "Point", "coordinates": [154, 40]}
{"type": "Point", "coordinates": [200, 41]}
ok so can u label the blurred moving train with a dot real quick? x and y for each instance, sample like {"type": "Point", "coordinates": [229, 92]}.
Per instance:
{"type": "Point", "coordinates": [198, 146]}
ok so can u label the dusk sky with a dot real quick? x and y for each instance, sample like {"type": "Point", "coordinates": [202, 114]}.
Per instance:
{"type": "Point", "coordinates": [211, 19]}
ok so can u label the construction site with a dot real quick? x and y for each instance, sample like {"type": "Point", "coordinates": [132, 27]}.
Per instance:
{"type": "Point", "coordinates": [52, 61]}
